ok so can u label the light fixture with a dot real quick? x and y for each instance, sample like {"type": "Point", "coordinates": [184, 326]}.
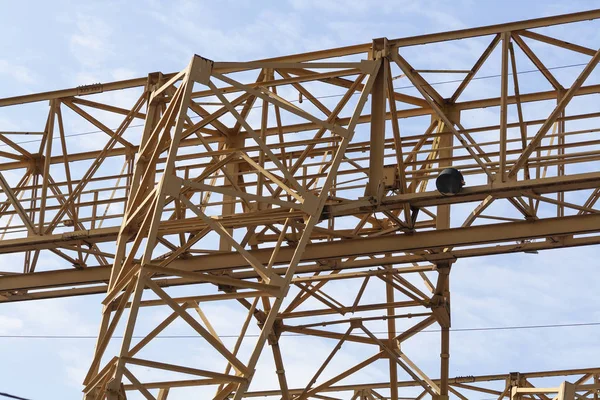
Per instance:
{"type": "Point", "coordinates": [450, 181]}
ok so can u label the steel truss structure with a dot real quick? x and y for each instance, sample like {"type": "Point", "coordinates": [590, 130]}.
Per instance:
{"type": "Point", "coordinates": [298, 191]}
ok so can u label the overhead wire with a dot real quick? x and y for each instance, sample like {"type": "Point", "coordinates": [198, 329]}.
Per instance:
{"type": "Point", "coordinates": [480, 329]}
{"type": "Point", "coordinates": [12, 396]}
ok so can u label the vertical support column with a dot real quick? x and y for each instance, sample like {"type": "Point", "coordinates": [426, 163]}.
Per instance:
{"type": "Point", "coordinates": [47, 156]}
{"type": "Point", "coordinates": [392, 342]}
{"type": "Point", "coordinates": [233, 169]}
{"type": "Point", "coordinates": [378, 110]}
{"type": "Point", "coordinates": [566, 391]}
{"type": "Point", "coordinates": [127, 274]}
{"type": "Point", "coordinates": [279, 368]}
{"type": "Point", "coordinates": [442, 293]}
{"type": "Point", "coordinates": [445, 160]}
{"type": "Point", "coordinates": [445, 365]}
{"type": "Point", "coordinates": [153, 113]}
{"type": "Point", "coordinates": [515, 381]}
{"type": "Point", "coordinates": [163, 394]}
{"type": "Point", "coordinates": [503, 105]}
{"type": "Point", "coordinates": [441, 310]}
{"type": "Point", "coordinates": [560, 196]}
{"type": "Point", "coordinates": [152, 117]}
{"type": "Point", "coordinates": [114, 388]}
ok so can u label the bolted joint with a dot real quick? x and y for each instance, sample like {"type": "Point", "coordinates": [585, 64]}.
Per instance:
{"type": "Point", "coordinates": [249, 375]}
{"type": "Point", "coordinates": [439, 301]}
{"type": "Point", "coordinates": [90, 89]}
{"type": "Point", "coordinates": [373, 200]}
{"type": "Point", "coordinates": [325, 213]}
{"type": "Point", "coordinates": [441, 312]}
{"type": "Point", "coordinates": [356, 323]}
{"type": "Point", "coordinates": [260, 317]}
{"type": "Point", "coordinates": [201, 69]}
{"type": "Point", "coordinates": [154, 81]}
{"type": "Point", "coordinates": [172, 186]}
{"type": "Point", "coordinates": [272, 340]}
{"type": "Point", "coordinates": [443, 267]}
{"type": "Point", "coordinates": [36, 163]}
{"type": "Point", "coordinates": [226, 288]}
{"type": "Point", "coordinates": [130, 154]}
{"type": "Point", "coordinates": [453, 114]}
{"type": "Point", "coordinates": [284, 288]}
{"type": "Point", "coordinates": [380, 48]}
{"type": "Point", "coordinates": [514, 378]}
{"type": "Point", "coordinates": [277, 328]}
{"type": "Point", "coordinates": [113, 390]}
{"type": "Point", "coordinates": [464, 379]}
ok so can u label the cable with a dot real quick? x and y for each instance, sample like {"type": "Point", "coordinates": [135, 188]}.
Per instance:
{"type": "Point", "coordinates": [483, 329]}
{"type": "Point", "coordinates": [12, 396]}
{"type": "Point", "coordinates": [342, 94]}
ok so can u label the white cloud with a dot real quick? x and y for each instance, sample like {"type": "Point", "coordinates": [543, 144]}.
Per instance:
{"type": "Point", "coordinates": [8, 124]}
{"type": "Point", "coordinates": [85, 78]}
{"type": "Point", "coordinates": [337, 6]}
{"type": "Point", "coordinates": [75, 366]}
{"type": "Point", "coordinates": [17, 72]}
{"type": "Point", "coordinates": [54, 317]}
{"type": "Point", "coordinates": [124, 73]}
{"type": "Point", "coordinates": [437, 13]}
{"type": "Point", "coordinates": [268, 33]}
{"type": "Point", "coordinates": [10, 325]}
{"type": "Point", "coordinates": [91, 43]}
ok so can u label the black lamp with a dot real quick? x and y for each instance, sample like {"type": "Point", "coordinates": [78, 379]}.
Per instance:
{"type": "Point", "coordinates": [450, 181]}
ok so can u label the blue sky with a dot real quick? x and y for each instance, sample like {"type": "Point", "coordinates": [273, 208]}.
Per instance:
{"type": "Point", "coordinates": [52, 45]}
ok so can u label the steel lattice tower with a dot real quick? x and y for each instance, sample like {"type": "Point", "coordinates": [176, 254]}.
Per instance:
{"type": "Point", "coordinates": [274, 185]}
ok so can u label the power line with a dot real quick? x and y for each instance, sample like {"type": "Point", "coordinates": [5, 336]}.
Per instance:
{"type": "Point", "coordinates": [11, 396]}
{"type": "Point", "coordinates": [342, 94]}
{"type": "Point", "coordinates": [481, 329]}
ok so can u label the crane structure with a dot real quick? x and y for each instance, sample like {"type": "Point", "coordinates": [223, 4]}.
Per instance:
{"type": "Point", "coordinates": [296, 195]}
